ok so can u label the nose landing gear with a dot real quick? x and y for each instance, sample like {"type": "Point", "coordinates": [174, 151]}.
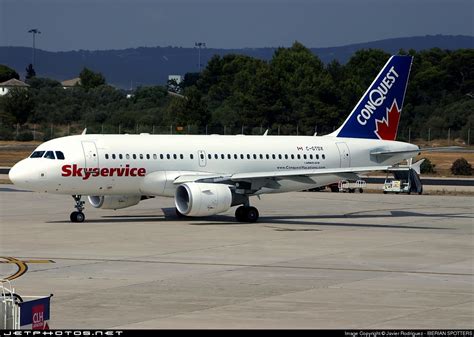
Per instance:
{"type": "Point", "coordinates": [78, 216]}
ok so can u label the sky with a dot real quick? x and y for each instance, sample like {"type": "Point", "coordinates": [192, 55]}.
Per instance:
{"type": "Point", "coordinates": [118, 24]}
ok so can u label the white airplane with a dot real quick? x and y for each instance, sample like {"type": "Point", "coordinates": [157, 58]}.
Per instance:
{"type": "Point", "coordinates": [207, 175]}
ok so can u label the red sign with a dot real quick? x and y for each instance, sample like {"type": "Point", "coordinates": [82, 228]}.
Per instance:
{"type": "Point", "coordinates": [85, 173]}
{"type": "Point", "coordinates": [38, 317]}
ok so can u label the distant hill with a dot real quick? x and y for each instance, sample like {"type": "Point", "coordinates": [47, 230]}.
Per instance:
{"type": "Point", "coordinates": [151, 65]}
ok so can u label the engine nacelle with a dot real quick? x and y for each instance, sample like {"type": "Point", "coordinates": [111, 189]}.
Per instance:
{"type": "Point", "coordinates": [114, 201]}
{"type": "Point", "coordinates": [200, 199]}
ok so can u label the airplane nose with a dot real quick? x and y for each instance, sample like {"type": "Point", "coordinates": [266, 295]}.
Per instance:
{"type": "Point", "coordinates": [18, 174]}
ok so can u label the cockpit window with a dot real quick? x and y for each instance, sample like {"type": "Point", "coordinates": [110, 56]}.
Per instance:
{"type": "Point", "coordinates": [60, 155]}
{"type": "Point", "coordinates": [37, 154]}
{"type": "Point", "coordinates": [49, 155]}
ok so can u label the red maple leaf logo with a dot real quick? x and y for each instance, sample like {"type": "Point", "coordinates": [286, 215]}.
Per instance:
{"type": "Point", "coordinates": [386, 129]}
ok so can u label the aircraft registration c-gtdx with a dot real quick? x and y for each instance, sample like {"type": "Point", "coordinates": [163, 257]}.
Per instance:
{"type": "Point", "coordinates": [207, 175]}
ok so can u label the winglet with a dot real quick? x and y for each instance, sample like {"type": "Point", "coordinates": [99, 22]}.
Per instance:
{"type": "Point", "coordinates": [266, 133]}
{"type": "Point", "coordinates": [84, 131]}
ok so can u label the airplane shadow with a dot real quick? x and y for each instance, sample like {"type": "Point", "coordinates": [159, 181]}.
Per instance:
{"type": "Point", "coordinates": [302, 220]}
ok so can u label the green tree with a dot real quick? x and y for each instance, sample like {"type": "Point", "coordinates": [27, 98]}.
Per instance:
{"type": "Point", "coordinates": [190, 79]}
{"type": "Point", "coordinates": [461, 167]}
{"type": "Point", "coordinates": [299, 73]}
{"type": "Point", "coordinates": [40, 82]}
{"type": "Point", "coordinates": [91, 79]}
{"type": "Point", "coordinates": [19, 104]}
{"type": "Point", "coordinates": [30, 72]}
{"type": "Point", "coordinates": [7, 73]}
{"type": "Point", "coordinates": [427, 166]}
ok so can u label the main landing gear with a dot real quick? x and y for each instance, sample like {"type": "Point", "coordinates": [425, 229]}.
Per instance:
{"type": "Point", "coordinates": [246, 214]}
{"type": "Point", "coordinates": [78, 216]}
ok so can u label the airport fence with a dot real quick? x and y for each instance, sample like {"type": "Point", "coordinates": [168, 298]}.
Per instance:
{"type": "Point", "coordinates": [43, 132]}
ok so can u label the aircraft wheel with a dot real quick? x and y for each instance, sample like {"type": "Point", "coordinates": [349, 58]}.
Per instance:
{"type": "Point", "coordinates": [77, 217]}
{"type": "Point", "coordinates": [239, 214]}
{"type": "Point", "coordinates": [251, 214]}
{"type": "Point", "coordinates": [246, 214]}
{"type": "Point", "coordinates": [361, 190]}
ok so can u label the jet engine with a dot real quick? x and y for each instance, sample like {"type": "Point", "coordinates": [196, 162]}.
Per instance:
{"type": "Point", "coordinates": [201, 199]}
{"type": "Point", "coordinates": [114, 201]}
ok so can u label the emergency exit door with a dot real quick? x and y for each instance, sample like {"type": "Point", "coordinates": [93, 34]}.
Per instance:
{"type": "Point", "coordinates": [202, 158]}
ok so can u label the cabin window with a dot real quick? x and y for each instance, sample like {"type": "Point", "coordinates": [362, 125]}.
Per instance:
{"type": "Point", "coordinates": [141, 156]}
{"type": "Point", "coordinates": [292, 156]}
{"type": "Point", "coordinates": [49, 155]}
{"type": "Point", "coordinates": [279, 156]}
{"type": "Point", "coordinates": [37, 154]}
{"type": "Point", "coordinates": [154, 156]}
{"type": "Point", "coordinates": [323, 156]}
{"type": "Point", "coordinates": [273, 156]}
{"type": "Point", "coordinates": [192, 157]}
{"type": "Point", "coordinates": [168, 156]}
{"type": "Point", "coordinates": [298, 156]}
{"type": "Point", "coordinates": [235, 156]}
{"type": "Point", "coordinates": [134, 156]}
{"type": "Point", "coordinates": [241, 156]}
{"type": "Point", "coordinates": [209, 156]}
{"type": "Point", "coordinates": [147, 156]}
{"type": "Point", "coordinates": [268, 156]}
{"type": "Point", "coordinates": [181, 156]}
{"type": "Point", "coordinates": [127, 156]}
{"type": "Point", "coordinates": [310, 156]}
{"type": "Point", "coordinates": [222, 156]}
{"type": "Point", "coordinates": [113, 156]}
{"type": "Point", "coordinates": [317, 156]}
{"type": "Point", "coordinates": [59, 155]}
{"type": "Point", "coordinates": [229, 156]}
{"type": "Point", "coordinates": [261, 156]}
{"type": "Point", "coordinates": [161, 156]}
{"type": "Point", "coordinates": [304, 156]}
{"type": "Point", "coordinates": [254, 156]}
{"type": "Point", "coordinates": [175, 156]}
{"type": "Point", "coordinates": [120, 156]}
{"type": "Point", "coordinates": [216, 156]}
{"type": "Point", "coordinates": [202, 156]}
{"type": "Point", "coordinates": [286, 156]}
{"type": "Point", "coordinates": [106, 156]}
{"type": "Point", "coordinates": [248, 156]}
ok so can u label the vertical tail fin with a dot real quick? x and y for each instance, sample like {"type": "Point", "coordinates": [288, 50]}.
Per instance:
{"type": "Point", "coordinates": [377, 113]}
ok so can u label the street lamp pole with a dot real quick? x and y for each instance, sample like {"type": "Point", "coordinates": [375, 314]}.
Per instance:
{"type": "Point", "coordinates": [199, 45]}
{"type": "Point", "coordinates": [34, 31]}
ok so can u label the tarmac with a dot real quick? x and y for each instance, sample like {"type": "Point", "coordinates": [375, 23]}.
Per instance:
{"type": "Point", "coordinates": [314, 260]}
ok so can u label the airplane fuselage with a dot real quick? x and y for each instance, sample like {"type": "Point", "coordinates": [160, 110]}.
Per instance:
{"type": "Point", "coordinates": [120, 164]}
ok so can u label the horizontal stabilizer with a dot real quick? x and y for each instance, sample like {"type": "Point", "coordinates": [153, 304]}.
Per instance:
{"type": "Point", "coordinates": [392, 153]}
{"type": "Point", "coordinates": [417, 166]}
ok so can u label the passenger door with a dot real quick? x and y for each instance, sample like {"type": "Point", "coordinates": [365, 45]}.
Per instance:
{"type": "Point", "coordinates": [90, 154]}
{"type": "Point", "coordinates": [344, 154]}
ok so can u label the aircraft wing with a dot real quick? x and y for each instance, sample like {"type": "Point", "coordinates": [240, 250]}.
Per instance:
{"type": "Point", "coordinates": [277, 175]}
